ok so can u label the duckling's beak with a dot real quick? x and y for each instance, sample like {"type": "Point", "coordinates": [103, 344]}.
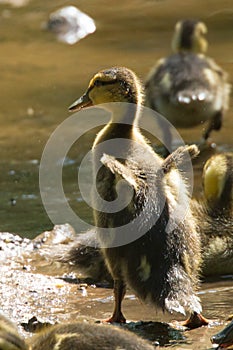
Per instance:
{"type": "Point", "coordinates": [83, 102]}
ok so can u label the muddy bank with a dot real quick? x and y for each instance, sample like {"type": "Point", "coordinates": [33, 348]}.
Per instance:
{"type": "Point", "coordinates": [34, 284]}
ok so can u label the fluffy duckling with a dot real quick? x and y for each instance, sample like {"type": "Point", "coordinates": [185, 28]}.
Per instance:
{"type": "Point", "coordinates": [215, 215]}
{"type": "Point", "coordinates": [151, 242]}
{"type": "Point", "coordinates": [9, 336]}
{"type": "Point", "coordinates": [216, 226]}
{"type": "Point", "coordinates": [81, 336]}
{"type": "Point", "coordinates": [187, 87]}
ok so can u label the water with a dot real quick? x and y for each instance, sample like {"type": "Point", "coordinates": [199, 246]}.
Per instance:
{"type": "Point", "coordinates": [41, 77]}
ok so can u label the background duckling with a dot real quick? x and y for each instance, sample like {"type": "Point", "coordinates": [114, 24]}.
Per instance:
{"type": "Point", "coordinates": [215, 215]}
{"type": "Point", "coordinates": [161, 262]}
{"type": "Point", "coordinates": [9, 336]}
{"type": "Point", "coordinates": [187, 87]}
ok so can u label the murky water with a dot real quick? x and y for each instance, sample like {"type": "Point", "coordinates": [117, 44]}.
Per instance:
{"type": "Point", "coordinates": [40, 77]}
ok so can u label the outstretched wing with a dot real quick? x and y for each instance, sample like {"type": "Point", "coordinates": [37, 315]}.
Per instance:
{"type": "Point", "coordinates": [120, 169]}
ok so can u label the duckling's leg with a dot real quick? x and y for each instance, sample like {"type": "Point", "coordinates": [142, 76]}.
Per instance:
{"type": "Point", "coordinates": [195, 320]}
{"type": "Point", "coordinates": [215, 124]}
{"type": "Point", "coordinates": [119, 293]}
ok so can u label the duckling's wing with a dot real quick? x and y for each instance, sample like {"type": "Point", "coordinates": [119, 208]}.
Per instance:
{"type": "Point", "coordinates": [179, 157]}
{"type": "Point", "coordinates": [118, 168]}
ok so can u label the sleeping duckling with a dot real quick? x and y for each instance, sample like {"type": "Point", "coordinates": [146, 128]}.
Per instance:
{"type": "Point", "coordinates": [187, 87]}
{"type": "Point", "coordinates": [216, 215]}
{"type": "Point", "coordinates": [9, 336]}
{"type": "Point", "coordinates": [150, 243]}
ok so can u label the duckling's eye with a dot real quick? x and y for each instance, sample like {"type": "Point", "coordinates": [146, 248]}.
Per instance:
{"type": "Point", "coordinates": [98, 82]}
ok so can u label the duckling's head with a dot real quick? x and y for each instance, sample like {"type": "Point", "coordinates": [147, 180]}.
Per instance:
{"type": "Point", "coordinates": [218, 181]}
{"type": "Point", "coordinates": [9, 337]}
{"type": "Point", "coordinates": [117, 84]}
{"type": "Point", "coordinates": [189, 36]}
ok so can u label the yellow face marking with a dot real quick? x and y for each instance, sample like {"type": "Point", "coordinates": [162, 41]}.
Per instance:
{"type": "Point", "coordinates": [144, 269]}
{"type": "Point", "coordinates": [102, 77]}
{"type": "Point", "coordinates": [201, 28]}
{"type": "Point", "coordinates": [199, 42]}
{"type": "Point", "coordinates": [100, 95]}
{"type": "Point", "coordinates": [104, 93]}
{"type": "Point", "coordinates": [214, 177]}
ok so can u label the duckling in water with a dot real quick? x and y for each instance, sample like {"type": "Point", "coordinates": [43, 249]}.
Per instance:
{"type": "Point", "coordinates": [215, 215]}
{"type": "Point", "coordinates": [148, 245]}
{"type": "Point", "coordinates": [187, 87]}
{"type": "Point", "coordinates": [71, 336]}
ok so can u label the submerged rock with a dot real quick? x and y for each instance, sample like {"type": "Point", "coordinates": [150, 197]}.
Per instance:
{"type": "Point", "coordinates": [70, 24]}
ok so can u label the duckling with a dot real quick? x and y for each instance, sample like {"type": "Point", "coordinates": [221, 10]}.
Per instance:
{"type": "Point", "coordinates": [188, 88]}
{"type": "Point", "coordinates": [215, 215]}
{"type": "Point", "coordinates": [224, 338]}
{"type": "Point", "coordinates": [87, 336]}
{"type": "Point", "coordinates": [144, 243]}
{"type": "Point", "coordinates": [71, 336]}
{"type": "Point", "coordinates": [9, 336]}
{"type": "Point", "coordinates": [216, 227]}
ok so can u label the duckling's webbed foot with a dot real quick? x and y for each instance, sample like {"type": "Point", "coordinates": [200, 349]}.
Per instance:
{"type": "Point", "coordinates": [119, 293]}
{"type": "Point", "coordinates": [116, 318]}
{"type": "Point", "coordinates": [215, 124]}
{"type": "Point", "coordinates": [195, 321]}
